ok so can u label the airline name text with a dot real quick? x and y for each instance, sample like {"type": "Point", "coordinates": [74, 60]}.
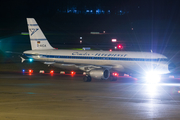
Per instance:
{"type": "Point", "coordinates": [100, 54]}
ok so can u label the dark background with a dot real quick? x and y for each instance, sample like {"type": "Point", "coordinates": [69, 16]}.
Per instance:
{"type": "Point", "coordinates": [139, 25]}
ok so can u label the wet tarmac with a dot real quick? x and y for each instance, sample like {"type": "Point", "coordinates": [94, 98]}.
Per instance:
{"type": "Point", "coordinates": [65, 97]}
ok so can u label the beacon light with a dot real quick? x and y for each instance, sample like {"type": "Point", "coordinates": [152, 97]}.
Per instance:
{"type": "Point", "coordinates": [119, 46]}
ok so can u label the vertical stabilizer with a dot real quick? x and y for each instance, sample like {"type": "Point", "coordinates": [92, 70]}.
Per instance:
{"type": "Point", "coordinates": [37, 38]}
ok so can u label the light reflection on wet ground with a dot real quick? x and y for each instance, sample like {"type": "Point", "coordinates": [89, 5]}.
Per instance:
{"type": "Point", "coordinates": [66, 97]}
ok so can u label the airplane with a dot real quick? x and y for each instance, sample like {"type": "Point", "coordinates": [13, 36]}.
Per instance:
{"type": "Point", "coordinates": [96, 64]}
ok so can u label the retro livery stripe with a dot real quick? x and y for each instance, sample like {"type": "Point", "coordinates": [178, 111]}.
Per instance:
{"type": "Point", "coordinates": [98, 58]}
{"type": "Point", "coordinates": [38, 39]}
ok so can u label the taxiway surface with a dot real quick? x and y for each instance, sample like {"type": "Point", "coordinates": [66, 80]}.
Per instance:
{"type": "Point", "coordinates": [61, 97]}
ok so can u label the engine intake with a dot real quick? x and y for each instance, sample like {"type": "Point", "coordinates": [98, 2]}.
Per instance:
{"type": "Point", "coordinates": [100, 73]}
{"type": "Point", "coordinates": [171, 67]}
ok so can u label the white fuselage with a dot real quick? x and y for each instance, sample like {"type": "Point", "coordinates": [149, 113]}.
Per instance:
{"type": "Point", "coordinates": [119, 60]}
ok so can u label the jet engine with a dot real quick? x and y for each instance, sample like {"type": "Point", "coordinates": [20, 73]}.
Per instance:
{"type": "Point", "coordinates": [100, 73]}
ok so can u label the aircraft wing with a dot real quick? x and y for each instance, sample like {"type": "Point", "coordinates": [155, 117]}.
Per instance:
{"type": "Point", "coordinates": [90, 67]}
{"type": "Point", "coordinates": [83, 67]}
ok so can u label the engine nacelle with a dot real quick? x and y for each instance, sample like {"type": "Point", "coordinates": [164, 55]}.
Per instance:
{"type": "Point", "coordinates": [100, 73]}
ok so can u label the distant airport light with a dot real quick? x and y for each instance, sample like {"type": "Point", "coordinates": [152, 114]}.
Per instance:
{"type": "Point", "coordinates": [30, 71]}
{"type": "Point", "coordinates": [41, 71]}
{"type": "Point", "coordinates": [30, 60]}
{"type": "Point", "coordinates": [23, 70]}
{"type": "Point", "coordinates": [94, 32]}
{"type": "Point", "coordinates": [52, 71]}
{"type": "Point", "coordinates": [104, 31]}
{"type": "Point", "coordinates": [80, 38]}
{"type": "Point", "coordinates": [103, 11]}
{"type": "Point", "coordinates": [114, 40]}
{"type": "Point", "coordinates": [80, 41]}
{"type": "Point", "coordinates": [73, 73]}
{"type": "Point", "coordinates": [115, 47]}
{"type": "Point", "coordinates": [24, 33]}
{"type": "Point", "coordinates": [75, 11]}
{"type": "Point", "coordinates": [110, 50]}
{"type": "Point", "coordinates": [62, 72]}
{"type": "Point", "coordinates": [86, 48]}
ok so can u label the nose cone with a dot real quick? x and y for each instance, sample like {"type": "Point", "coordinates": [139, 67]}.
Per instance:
{"type": "Point", "coordinates": [171, 67]}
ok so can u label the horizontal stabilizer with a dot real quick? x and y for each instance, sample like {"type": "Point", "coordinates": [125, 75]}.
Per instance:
{"type": "Point", "coordinates": [22, 59]}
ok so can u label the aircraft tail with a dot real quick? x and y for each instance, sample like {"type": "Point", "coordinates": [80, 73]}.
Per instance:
{"type": "Point", "coordinates": [37, 38]}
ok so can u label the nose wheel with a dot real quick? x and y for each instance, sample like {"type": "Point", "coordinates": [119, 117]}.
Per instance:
{"type": "Point", "coordinates": [87, 78]}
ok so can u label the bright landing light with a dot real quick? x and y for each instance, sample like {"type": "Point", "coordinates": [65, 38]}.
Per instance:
{"type": "Point", "coordinates": [153, 77]}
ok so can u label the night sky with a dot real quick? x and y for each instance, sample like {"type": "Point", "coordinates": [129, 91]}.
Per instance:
{"type": "Point", "coordinates": [139, 9]}
{"type": "Point", "coordinates": [155, 24]}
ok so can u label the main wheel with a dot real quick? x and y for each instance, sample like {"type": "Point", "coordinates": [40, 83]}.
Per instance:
{"type": "Point", "coordinates": [113, 78]}
{"type": "Point", "coordinates": [87, 79]}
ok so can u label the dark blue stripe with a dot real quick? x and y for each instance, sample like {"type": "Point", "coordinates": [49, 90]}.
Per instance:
{"type": "Point", "coordinates": [32, 24]}
{"type": "Point", "coordinates": [100, 58]}
{"type": "Point", "coordinates": [38, 39]}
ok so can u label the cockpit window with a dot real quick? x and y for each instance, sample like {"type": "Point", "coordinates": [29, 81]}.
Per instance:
{"type": "Point", "coordinates": [163, 59]}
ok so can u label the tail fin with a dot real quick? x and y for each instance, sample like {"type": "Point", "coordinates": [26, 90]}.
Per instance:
{"type": "Point", "coordinates": [37, 38]}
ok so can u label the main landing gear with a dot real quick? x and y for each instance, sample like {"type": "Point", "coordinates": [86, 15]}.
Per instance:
{"type": "Point", "coordinates": [113, 78]}
{"type": "Point", "coordinates": [87, 78]}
